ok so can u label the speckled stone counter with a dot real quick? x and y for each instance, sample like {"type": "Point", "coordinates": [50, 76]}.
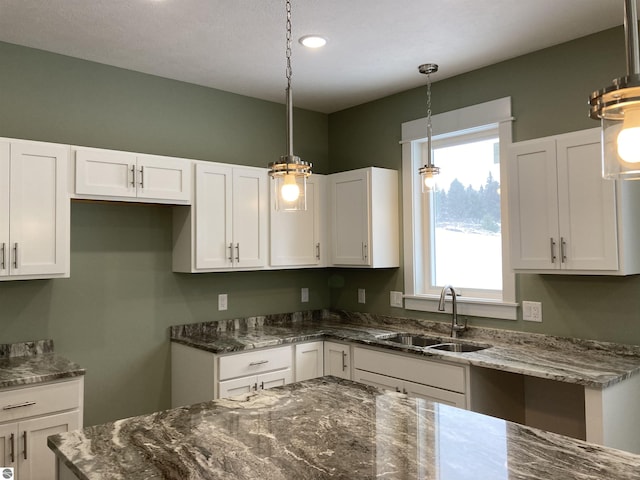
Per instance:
{"type": "Point", "coordinates": [330, 429]}
{"type": "Point", "coordinates": [33, 362]}
{"type": "Point", "coordinates": [584, 362]}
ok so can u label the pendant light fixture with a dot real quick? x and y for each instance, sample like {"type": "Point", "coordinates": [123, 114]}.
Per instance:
{"type": "Point", "coordinates": [290, 173]}
{"type": "Point", "coordinates": [618, 108]}
{"type": "Point", "coordinates": [429, 171]}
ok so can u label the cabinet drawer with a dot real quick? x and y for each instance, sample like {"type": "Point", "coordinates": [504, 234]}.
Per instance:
{"type": "Point", "coordinates": [39, 400]}
{"type": "Point", "coordinates": [263, 360]}
{"type": "Point", "coordinates": [420, 370]}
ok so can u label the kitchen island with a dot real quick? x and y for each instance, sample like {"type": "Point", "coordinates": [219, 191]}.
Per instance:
{"type": "Point", "coordinates": [329, 428]}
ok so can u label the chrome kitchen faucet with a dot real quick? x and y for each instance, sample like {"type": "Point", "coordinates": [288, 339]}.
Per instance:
{"type": "Point", "coordinates": [455, 326]}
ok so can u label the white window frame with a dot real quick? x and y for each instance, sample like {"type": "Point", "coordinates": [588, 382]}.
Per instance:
{"type": "Point", "coordinates": [468, 119]}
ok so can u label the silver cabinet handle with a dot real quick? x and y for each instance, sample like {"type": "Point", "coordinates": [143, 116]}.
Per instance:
{"type": "Point", "coordinates": [12, 451]}
{"type": "Point", "coordinates": [142, 177]}
{"type": "Point", "coordinates": [318, 250]}
{"type": "Point", "coordinates": [404, 390]}
{"type": "Point", "coordinates": [398, 389]}
{"type": "Point", "coordinates": [15, 255]}
{"type": "Point", "coordinates": [237, 252]}
{"type": "Point", "coordinates": [344, 361]}
{"type": "Point", "coordinates": [133, 176]}
{"type": "Point", "coordinates": [261, 385]}
{"type": "Point", "coordinates": [4, 256]}
{"type": "Point", "coordinates": [365, 251]}
{"type": "Point", "coordinates": [261, 362]}
{"type": "Point", "coordinates": [563, 250]}
{"type": "Point", "coordinates": [18, 405]}
{"type": "Point", "coordinates": [255, 386]}
{"type": "Point", "coordinates": [24, 439]}
{"type": "Point", "coordinates": [553, 250]}
{"type": "Point", "coordinates": [231, 252]}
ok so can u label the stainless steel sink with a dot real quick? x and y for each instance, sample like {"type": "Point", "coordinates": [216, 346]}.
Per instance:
{"type": "Point", "coordinates": [458, 347]}
{"type": "Point", "coordinates": [414, 340]}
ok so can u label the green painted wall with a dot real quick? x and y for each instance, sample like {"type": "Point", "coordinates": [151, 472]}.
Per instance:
{"type": "Point", "coordinates": [112, 315]}
{"type": "Point", "coordinates": [549, 91]}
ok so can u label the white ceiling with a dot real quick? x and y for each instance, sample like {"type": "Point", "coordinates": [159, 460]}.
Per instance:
{"type": "Point", "coordinates": [374, 49]}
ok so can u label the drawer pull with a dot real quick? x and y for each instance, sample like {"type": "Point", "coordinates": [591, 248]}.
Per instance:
{"type": "Point", "coordinates": [13, 448]}
{"type": "Point", "coordinates": [24, 438]}
{"type": "Point", "coordinates": [261, 362]}
{"type": "Point", "coordinates": [18, 405]}
{"type": "Point", "coordinates": [344, 361]}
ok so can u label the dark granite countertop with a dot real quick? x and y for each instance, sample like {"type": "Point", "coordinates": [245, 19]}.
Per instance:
{"type": "Point", "coordinates": [331, 429]}
{"type": "Point", "coordinates": [33, 362]}
{"type": "Point", "coordinates": [584, 362]}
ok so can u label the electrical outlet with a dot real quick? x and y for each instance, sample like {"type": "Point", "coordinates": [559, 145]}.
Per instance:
{"type": "Point", "coordinates": [396, 299]}
{"type": "Point", "coordinates": [304, 295]}
{"type": "Point", "coordinates": [222, 301]}
{"type": "Point", "coordinates": [532, 311]}
{"type": "Point", "coordinates": [361, 295]}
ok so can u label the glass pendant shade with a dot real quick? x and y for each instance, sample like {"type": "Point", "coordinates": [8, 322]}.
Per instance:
{"type": "Point", "coordinates": [618, 109]}
{"type": "Point", "coordinates": [290, 184]}
{"type": "Point", "coordinates": [620, 121]}
{"type": "Point", "coordinates": [428, 176]}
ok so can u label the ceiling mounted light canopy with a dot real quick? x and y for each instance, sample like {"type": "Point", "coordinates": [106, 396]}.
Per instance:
{"type": "Point", "coordinates": [290, 173]}
{"type": "Point", "coordinates": [618, 108]}
{"type": "Point", "coordinates": [429, 171]}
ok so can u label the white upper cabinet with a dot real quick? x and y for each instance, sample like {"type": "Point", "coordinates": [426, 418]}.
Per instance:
{"type": "Point", "coordinates": [363, 208]}
{"type": "Point", "coordinates": [34, 210]}
{"type": "Point", "coordinates": [115, 175]}
{"type": "Point", "coordinates": [227, 225]}
{"type": "Point", "coordinates": [564, 218]}
{"type": "Point", "coordinates": [298, 238]}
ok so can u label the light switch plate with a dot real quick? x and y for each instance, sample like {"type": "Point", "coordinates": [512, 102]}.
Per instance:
{"type": "Point", "coordinates": [361, 295]}
{"type": "Point", "coordinates": [396, 299]}
{"type": "Point", "coordinates": [532, 311]}
{"type": "Point", "coordinates": [222, 301]}
{"type": "Point", "coordinates": [304, 295]}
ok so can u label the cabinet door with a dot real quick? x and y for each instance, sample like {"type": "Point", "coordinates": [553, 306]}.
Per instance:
{"type": "Point", "coordinates": [213, 237]}
{"type": "Point", "coordinates": [4, 209]}
{"type": "Point", "coordinates": [250, 204]}
{"type": "Point", "coordinates": [274, 379]}
{"type": "Point", "coordinates": [350, 217]}
{"type": "Point", "coordinates": [337, 360]}
{"type": "Point", "coordinates": [587, 205]}
{"type": "Point", "coordinates": [434, 394]}
{"type": "Point", "coordinates": [237, 386]}
{"type": "Point", "coordinates": [533, 206]}
{"type": "Point", "coordinates": [163, 178]}
{"type": "Point", "coordinates": [376, 380]}
{"type": "Point", "coordinates": [40, 206]}
{"type": "Point", "coordinates": [309, 360]}
{"type": "Point", "coordinates": [295, 235]}
{"type": "Point", "coordinates": [105, 172]}
{"type": "Point", "coordinates": [9, 445]}
{"type": "Point", "coordinates": [37, 461]}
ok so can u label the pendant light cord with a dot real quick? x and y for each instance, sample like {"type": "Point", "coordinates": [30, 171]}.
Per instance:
{"type": "Point", "coordinates": [288, 74]}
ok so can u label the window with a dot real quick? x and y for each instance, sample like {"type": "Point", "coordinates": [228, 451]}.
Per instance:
{"type": "Point", "coordinates": [458, 234]}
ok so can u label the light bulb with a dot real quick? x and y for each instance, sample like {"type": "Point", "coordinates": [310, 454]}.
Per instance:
{"type": "Point", "coordinates": [429, 181]}
{"type": "Point", "coordinates": [629, 137]}
{"type": "Point", "coordinates": [290, 191]}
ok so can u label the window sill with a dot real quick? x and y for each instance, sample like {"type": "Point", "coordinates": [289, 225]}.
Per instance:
{"type": "Point", "coordinates": [475, 307]}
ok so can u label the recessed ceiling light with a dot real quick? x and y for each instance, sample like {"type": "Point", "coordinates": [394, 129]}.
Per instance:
{"type": "Point", "coordinates": [313, 41]}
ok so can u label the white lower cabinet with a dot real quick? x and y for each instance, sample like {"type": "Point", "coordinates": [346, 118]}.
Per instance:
{"type": "Point", "coordinates": [418, 377]}
{"type": "Point", "coordinates": [238, 386]}
{"type": "Point", "coordinates": [200, 376]}
{"type": "Point", "coordinates": [28, 415]}
{"type": "Point", "coordinates": [309, 360]}
{"type": "Point", "coordinates": [337, 359]}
